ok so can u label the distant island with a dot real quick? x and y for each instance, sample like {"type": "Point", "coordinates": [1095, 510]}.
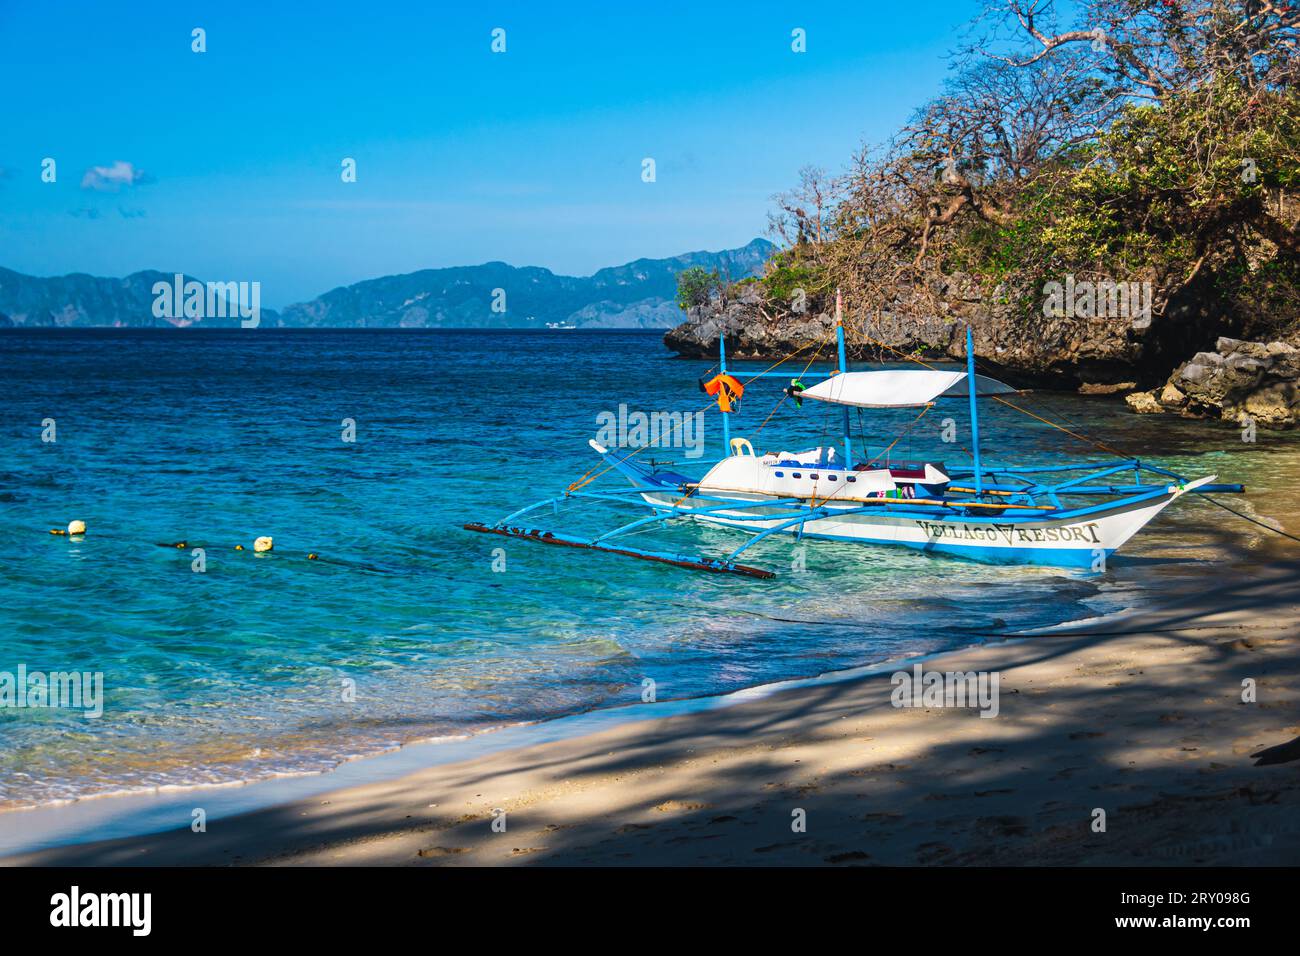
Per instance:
{"type": "Point", "coordinates": [641, 294]}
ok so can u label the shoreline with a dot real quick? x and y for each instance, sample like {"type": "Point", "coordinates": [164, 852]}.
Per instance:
{"type": "Point", "coordinates": [134, 814]}
{"type": "Point", "coordinates": [1136, 714]}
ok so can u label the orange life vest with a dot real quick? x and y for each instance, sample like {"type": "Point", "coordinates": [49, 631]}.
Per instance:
{"type": "Point", "coordinates": [727, 388]}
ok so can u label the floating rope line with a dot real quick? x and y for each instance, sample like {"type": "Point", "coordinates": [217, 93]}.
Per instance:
{"type": "Point", "coordinates": [185, 544]}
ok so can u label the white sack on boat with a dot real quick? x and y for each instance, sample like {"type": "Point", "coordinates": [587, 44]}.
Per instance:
{"type": "Point", "coordinates": [811, 458]}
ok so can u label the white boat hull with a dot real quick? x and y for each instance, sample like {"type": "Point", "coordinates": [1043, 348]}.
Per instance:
{"type": "Point", "coordinates": [1081, 542]}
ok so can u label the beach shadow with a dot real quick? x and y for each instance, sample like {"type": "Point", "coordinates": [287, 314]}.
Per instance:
{"type": "Point", "coordinates": [1141, 739]}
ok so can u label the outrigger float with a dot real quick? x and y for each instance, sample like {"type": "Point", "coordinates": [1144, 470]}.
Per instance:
{"type": "Point", "coordinates": [1063, 515]}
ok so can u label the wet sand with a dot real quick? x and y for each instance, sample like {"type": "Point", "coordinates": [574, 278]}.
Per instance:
{"type": "Point", "coordinates": [1141, 717]}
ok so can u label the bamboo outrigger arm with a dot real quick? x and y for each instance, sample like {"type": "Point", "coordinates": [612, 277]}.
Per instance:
{"type": "Point", "coordinates": [679, 560]}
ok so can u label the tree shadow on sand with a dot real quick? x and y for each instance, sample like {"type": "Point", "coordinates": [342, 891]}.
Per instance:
{"type": "Point", "coordinates": [1162, 746]}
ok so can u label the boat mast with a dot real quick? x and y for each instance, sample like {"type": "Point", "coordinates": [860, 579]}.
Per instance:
{"type": "Point", "coordinates": [722, 370]}
{"type": "Point", "coordinates": [844, 367]}
{"type": "Point", "coordinates": [974, 412]}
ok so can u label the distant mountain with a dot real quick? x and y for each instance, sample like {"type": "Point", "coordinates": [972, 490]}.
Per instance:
{"type": "Point", "coordinates": [83, 301]}
{"type": "Point", "coordinates": [640, 294]}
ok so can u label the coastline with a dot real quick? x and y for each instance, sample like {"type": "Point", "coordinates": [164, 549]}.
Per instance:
{"type": "Point", "coordinates": [141, 813]}
{"type": "Point", "coordinates": [1138, 715]}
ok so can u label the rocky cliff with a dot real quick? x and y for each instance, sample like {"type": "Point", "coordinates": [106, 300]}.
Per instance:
{"type": "Point", "coordinates": [1030, 348]}
{"type": "Point", "coordinates": [1058, 351]}
{"type": "Point", "coordinates": [1239, 382]}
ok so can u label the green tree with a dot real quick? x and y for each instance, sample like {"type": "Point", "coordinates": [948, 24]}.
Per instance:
{"type": "Point", "coordinates": [696, 285]}
{"type": "Point", "coordinates": [1151, 139]}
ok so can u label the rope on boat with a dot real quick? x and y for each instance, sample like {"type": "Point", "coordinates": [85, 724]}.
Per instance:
{"type": "Point", "coordinates": [1093, 441]}
{"type": "Point", "coordinates": [593, 474]}
{"type": "Point", "coordinates": [1074, 434]}
{"type": "Point", "coordinates": [1084, 438]}
{"type": "Point", "coordinates": [906, 431]}
{"type": "Point", "coordinates": [775, 408]}
{"type": "Point", "coordinates": [1100, 444]}
{"type": "Point", "coordinates": [781, 401]}
{"type": "Point", "coordinates": [1247, 517]}
{"type": "Point", "coordinates": [884, 454]}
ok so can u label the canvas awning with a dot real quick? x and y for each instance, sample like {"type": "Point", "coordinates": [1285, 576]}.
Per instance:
{"type": "Point", "coordinates": [900, 388]}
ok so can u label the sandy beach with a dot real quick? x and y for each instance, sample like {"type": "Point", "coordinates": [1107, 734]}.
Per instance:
{"type": "Point", "coordinates": [1141, 717]}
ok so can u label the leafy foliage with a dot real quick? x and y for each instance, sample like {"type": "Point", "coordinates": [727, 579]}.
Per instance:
{"type": "Point", "coordinates": [791, 272]}
{"type": "Point", "coordinates": [696, 285]}
{"type": "Point", "coordinates": [1155, 140]}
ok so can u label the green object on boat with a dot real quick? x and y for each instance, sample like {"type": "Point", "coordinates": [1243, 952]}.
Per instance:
{"type": "Point", "coordinates": [794, 390]}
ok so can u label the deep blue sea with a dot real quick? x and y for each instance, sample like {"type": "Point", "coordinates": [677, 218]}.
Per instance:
{"type": "Point", "coordinates": [242, 671]}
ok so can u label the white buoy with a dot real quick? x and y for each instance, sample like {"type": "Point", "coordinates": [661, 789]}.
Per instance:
{"type": "Point", "coordinates": [76, 527]}
{"type": "Point", "coordinates": [264, 543]}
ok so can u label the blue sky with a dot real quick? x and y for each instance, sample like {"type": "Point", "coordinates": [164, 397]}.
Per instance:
{"type": "Point", "coordinates": [532, 156]}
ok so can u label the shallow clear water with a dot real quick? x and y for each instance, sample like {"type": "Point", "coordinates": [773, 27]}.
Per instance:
{"type": "Point", "coordinates": [214, 438]}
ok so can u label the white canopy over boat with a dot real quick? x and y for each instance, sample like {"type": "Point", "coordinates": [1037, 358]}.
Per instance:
{"type": "Point", "coordinates": [900, 388]}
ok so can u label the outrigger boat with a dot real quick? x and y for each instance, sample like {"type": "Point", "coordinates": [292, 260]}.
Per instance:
{"type": "Point", "coordinates": [1066, 515]}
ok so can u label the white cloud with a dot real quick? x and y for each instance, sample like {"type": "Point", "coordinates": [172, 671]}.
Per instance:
{"type": "Point", "coordinates": [112, 178]}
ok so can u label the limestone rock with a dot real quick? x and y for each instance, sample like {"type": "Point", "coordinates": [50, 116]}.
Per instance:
{"type": "Point", "coordinates": [928, 321]}
{"type": "Point", "coordinates": [1017, 341]}
{"type": "Point", "coordinates": [1241, 380]}
{"type": "Point", "coordinates": [1103, 388]}
{"type": "Point", "coordinates": [1144, 403]}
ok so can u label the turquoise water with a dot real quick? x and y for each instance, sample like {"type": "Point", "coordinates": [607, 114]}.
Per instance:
{"type": "Point", "coordinates": [239, 672]}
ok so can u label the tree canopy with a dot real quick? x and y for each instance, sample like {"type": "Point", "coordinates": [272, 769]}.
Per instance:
{"type": "Point", "coordinates": [1153, 140]}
